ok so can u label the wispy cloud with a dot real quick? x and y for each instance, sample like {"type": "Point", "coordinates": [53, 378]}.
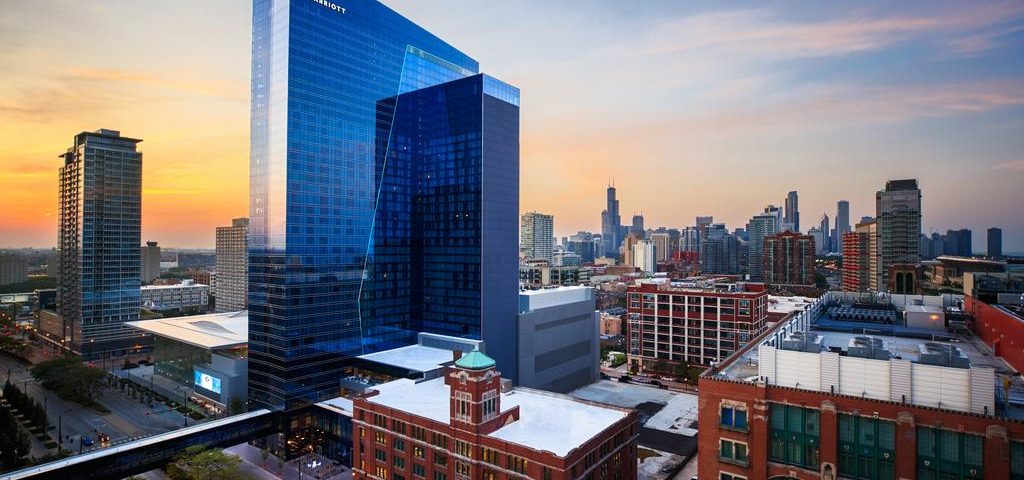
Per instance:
{"type": "Point", "coordinates": [1013, 166]}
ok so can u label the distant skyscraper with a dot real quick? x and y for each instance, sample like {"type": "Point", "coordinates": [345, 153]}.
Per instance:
{"type": "Point", "coordinates": [611, 224]}
{"type": "Point", "coordinates": [627, 250]}
{"type": "Point", "coordinates": [820, 240]}
{"type": "Point", "coordinates": [99, 238]}
{"type": "Point", "coordinates": [232, 289]}
{"type": "Point", "coordinates": [789, 259]}
{"type": "Point", "coordinates": [689, 239]}
{"type": "Point", "coordinates": [13, 268]}
{"type": "Point", "coordinates": [958, 243]}
{"type": "Point", "coordinates": [792, 218]}
{"type": "Point", "coordinates": [995, 243]}
{"type": "Point", "coordinates": [638, 225]}
{"type": "Point", "coordinates": [150, 254]}
{"type": "Point", "coordinates": [842, 224]}
{"type": "Point", "coordinates": [661, 246]}
{"type": "Point", "coordinates": [898, 215]}
{"type": "Point", "coordinates": [384, 196]}
{"type": "Point", "coordinates": [720, 251]}
{"type": "Point", "coordinates": [702, 223]}
{"type": "Point", "coordinates": [823, 224]}
{"type": "Point", "coordinates": [760, 226]}
{"type": "Point", "coordinates": [860, 258]}
{"type": "Point", "coordinates": [535, 240]}
{"type": "Point", "coordinates": [582, 244]}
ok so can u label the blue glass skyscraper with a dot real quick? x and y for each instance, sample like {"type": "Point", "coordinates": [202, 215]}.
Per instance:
{"type": "Point", "coordinates": [384, 194]}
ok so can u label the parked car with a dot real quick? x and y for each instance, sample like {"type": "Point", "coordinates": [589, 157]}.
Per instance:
{"type": "Point", "coordinates": [87, 441]}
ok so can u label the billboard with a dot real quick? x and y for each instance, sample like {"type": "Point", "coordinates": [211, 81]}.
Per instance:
{"type": "Point", "coordinates": [207, 381]}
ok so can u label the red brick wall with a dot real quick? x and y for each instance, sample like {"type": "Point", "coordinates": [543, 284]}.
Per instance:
{"type": "Point", "coordinates": [999, 330]}
{"type": "Point", "coordinates": [997, 432]}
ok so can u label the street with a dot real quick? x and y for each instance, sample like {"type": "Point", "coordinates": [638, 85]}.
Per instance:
{"type": "Point", "coordinates": [128, 417]}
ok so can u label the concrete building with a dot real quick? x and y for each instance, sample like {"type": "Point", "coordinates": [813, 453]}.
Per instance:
{"type": "Point", "coordinates": [662, 251]}
{"type": "Point", "coordinates": [558, 338]}
{"type": "Point", "coordinates": [206, 354]}
{"type": "Point", "coordinates": [789, 259]}
{"type": "Point", "coordinates": [540, 274]}
{"type": "Point", "coordinates": [150, 254]}
{"type": "Point", "coordinates": [13, 268]}
{"type": "Point", "coordinates": [958, 243]}
{"type": "Point", "coordinates": [950, 269]}
{"type": "Point", "coordinates": [820, 240]}
{"type": "Point", "coordinates": [995, 243]}
{"type": "Point", "coordinates": [231, 291]}
{"type": "Point", "coordinates": [469, 424]}
{"type": "Point", "coordinates": [759, 227]}
{"type": "Point", "coordinates": [699, 325]}
{"type": "Point", "coordinates": [536, 240]}
{"type": "Point", "coordinates": [645, 256]}
{"type": "Point", "coordinates": [638, 225]}
{"type": "Point", "coordinates": [582, 244]}
{"type": "Point", "coordinates": [99, 237]}
{"type": "Point", "coordinates": [809, 403]}
{"type": "Point", "coordinates": [186, 295]}
{"type": "Point", "coordinates": [898, 218]}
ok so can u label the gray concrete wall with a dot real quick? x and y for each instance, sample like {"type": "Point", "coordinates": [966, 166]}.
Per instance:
{"type": "Point", "coordinates": [559, 347]}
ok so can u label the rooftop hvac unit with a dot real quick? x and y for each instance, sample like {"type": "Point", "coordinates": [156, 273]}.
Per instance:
{"type": "Point", "coordinates": [868, 347]}
{"type": "Point", "coordinates": [942, 354]}
{"type": "Point", "coordinates": [803, 342]}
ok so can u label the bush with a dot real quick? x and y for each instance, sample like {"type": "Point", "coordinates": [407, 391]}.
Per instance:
{"type": "Point", "coordinates": [71, 379]}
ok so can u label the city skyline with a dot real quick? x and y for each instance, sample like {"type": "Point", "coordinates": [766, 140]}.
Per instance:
{"type": "Point", "coordinates": [868, 94]}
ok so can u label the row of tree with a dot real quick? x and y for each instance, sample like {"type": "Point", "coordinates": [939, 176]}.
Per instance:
{"type": "Point", "coordinates": [26, 405]}
{"type": "Point", "coordinates": [71, 379]}
{"type": "Point", "coordinates": [14, 442]}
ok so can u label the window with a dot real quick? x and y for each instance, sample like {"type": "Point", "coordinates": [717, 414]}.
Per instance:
{"type": "Point", "coordinates": [948, 454]}
{"type": "Point", "coordinates": [396, 476]}
{"type": "Point", "coordinates": [464, 449]}
{"type": "Point", "coordinates": [730, 476]}
{"type": "Point", "coordinates": [380, 455]}
{"type": "Point", "coordinates": [463, 402]}
{"type": "Point", "coordinates": [417, 451]}
{"type": "Point", "coordinates": [380, 438]}
{"type": "Point", "coordinates": [463, 469]}
{"type": "Point", "coordinates": [867, 447]}
{"type": "Point", "coordinates": [382, 472]}
{"type": "Point", "coordinates": [398, 462]}
{"type": "Point", "coordinates": [399, 444]}
{"type": "Point", "coordinates": [440, 459]}
{"type": "Point", "coordinates": [418, 470]}
{"type": "Point", "coordinates": [1016, 460]}
{"type": "Point", "coordinates": [439, 440]}
{"type": "Point", "coordinates": [794, 436]}
{"type": "Point", "coordinates": [732, 452]}
{"type": "Point", "coordinates": [734, 417]}
{"type": "Point", "coordinates": [440, 476]}
{"type": "Point", "coordinates": [491, 456]}
{"type": "Point", "coordinates": [515, 463]}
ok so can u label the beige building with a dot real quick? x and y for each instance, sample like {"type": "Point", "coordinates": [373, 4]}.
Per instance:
{"type": "Point", "coordinates": [232, 266]}
{"type": "Point", "coordinates": [611, 325]}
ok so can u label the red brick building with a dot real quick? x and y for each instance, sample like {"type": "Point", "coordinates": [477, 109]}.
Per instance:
{"type": "Point", "coordinates": [805, 421]}
{"type": "Point", "coordinates": [789, 259]}
{"type": "Point", "coordinates": [856, 262]}
{"type": "Point", "coordinates": [1000, 327]}
{"type": "Point", "coordinates": [698, 325]}
{"type": "Point", "coordinates": [471, 425]}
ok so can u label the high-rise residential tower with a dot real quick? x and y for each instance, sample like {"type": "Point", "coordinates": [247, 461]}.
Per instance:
{"type": "Point", "coordinates": [535, 240]}
{"type": "Point", "coordinates": [384, 195]}
{"type": "Point", "coordinates": [760, 226]}
{"type": "Point", "coordinates": [611, 225]}
{"type": "Point", "coordinates": [898, 218]}
{"type": "Point", "coordinates": [791, 220]}
{"type": "Point", "coordinates": [638, 225]}
{"type": "Point", "coordinates": [99, 238]}
{"type": "Point", "coordinates": [232, 287]}
{"type": "Point", "coordinates": [995, 243]}
{"type": "Point", "coordinates": [789, 259]}
{"type": "Point", "coordinates": [825, 234]}
{"type": "Point", "coordinates": [150, 253]}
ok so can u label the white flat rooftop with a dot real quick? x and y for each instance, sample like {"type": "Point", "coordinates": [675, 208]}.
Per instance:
{"type": "Point", "coordinates": [417, 358]}
{"type": "Point", "coordinates": [216, 330]}
{"type": "Point", "coordinates": [340, 405]}
{"type": "Point", "coordinates": [547, 421]}
{"type": "Point", "coordinates": [788, 304]}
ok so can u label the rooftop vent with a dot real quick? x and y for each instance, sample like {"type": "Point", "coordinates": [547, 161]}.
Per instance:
{"type": "Point", "coordinates": [803, 342]}
{"type": "Point", "coordinates": [942, 354]}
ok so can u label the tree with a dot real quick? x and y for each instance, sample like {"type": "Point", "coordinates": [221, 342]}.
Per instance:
{"type": "Point", "coordinates": [70, 378]}
{"type": "Point", "coordinates": [199, 463]}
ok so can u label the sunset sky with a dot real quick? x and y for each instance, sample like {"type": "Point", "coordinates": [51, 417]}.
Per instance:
{"type": "Point", "coordinates": [694, 107]}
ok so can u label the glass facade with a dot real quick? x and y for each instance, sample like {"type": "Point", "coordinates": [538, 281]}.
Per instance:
{"type": "Point", "coordinates": [945, 454]}
{"type": "Point", "coordinates": [99, 238]}
{"type": "Point", "coordinates": [355, 242]}
{"type": "Point", "coordinates": [867, 447]}
{"type": "Point", "coordinates": [795, 432]}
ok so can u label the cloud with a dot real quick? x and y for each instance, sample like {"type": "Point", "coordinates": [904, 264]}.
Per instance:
{"type": "Point", "coordinates": [1013, 166]}
{"type": "Point", "coordinates": [114, 75]}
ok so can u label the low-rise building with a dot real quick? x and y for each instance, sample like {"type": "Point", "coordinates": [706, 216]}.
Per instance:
{"type": "Point", "coordinates": [472, 425]}
{"type": "Point", "coordinates": [814, 397]}
{"type": "Point", "coordinates": [205, 354]}
{"type": "Point", "coordinates": [184, 295]}
{"type": "Point", "coordinates": [693, 322]}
